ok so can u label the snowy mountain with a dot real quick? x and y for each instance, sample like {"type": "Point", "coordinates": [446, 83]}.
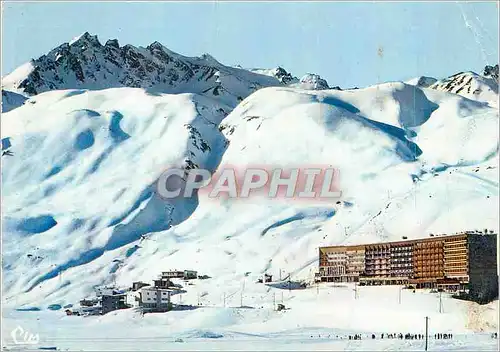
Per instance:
{"type": "Point", "coordinates": [468, 84]}
{"type": "Point", "coordinates": [309, 81]}
{"type": "Point", "coordinates": [78, 191]}
{"type": "Point", "coordinates": [84, 63]}
{"type": "Point", "coordinates": [472, 86]}
{"type": "Point", "coordinates": [279, 72]}
{"type": "Point", "coordinates": [312, 82]}
{"type": "Point", "coordinates": [80, 205]}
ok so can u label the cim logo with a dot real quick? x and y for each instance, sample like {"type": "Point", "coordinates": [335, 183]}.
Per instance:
{"type": "Point", "coordinates": [314, 183]}
{"type": "Point", "coordinates": [22, 337]}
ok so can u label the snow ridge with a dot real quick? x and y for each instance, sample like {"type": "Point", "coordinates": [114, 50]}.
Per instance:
{"type": "Point", "coordinates": [472, 86]}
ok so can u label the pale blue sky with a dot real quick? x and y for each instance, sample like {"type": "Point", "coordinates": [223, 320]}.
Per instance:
{"type": "Point", "coordinates": [339, 41]}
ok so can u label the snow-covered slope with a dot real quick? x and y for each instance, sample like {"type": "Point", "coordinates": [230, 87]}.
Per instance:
{"type": "Point", "coordinates": [318, 319]}
{"type": "Point", "coordinates": [84, 63]}
{"type": "Point", "coordinates": [386, 140]}
{"type": "Point", "coordinates": [78, 191]}
{"type": "Point", "coordinates": [472, 86]}
{"type": "Point", "coordinates": [70, 147]}
{"type": "Point", "coordinates": [80, 206]}
{"type": "Point", "coordinates": [11, 100]}
{"type": "Point", "coordinates": [468, 84]}
{"type": "Point", "coordinates": [16, 77]}
{"type": "Point", "coordinates": [309, 81]}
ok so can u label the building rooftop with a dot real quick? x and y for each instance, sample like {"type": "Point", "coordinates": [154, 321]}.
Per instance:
{"type": "Point", "coordinates": [152, 288]}
{"type": "Point", "coordinates": [410, 241]}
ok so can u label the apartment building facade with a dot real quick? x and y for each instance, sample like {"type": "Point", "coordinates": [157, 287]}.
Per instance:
{"type": "Point", "coordinates": [455, 254]}
{"type": "Point", "coordinates": [401, 268]}
{"type": "Point", "coordinates": [356, 261]}
{"type": "Point", "coordinates": [428, 262]}
{"type": "Point", "coordinates": [333, 262]}
{"type": "Point", "coordinates": [377, 262]}
{"type": "Point", "coordinates": [154, 299]}
{"type": "Point", "coordinates": [466, 261]}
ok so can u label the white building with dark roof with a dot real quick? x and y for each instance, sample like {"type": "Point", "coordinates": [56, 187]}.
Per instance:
{"type": "Point", "coordinates": [154, 298]}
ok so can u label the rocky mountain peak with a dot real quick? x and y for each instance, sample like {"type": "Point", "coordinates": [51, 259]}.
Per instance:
{"type": "Point", "coordinates": [471, 85]}
{"type": "Point", "coordinates": [491, 71]}
{"type": "Point", "coordinates": [85, 38]}
{"type": "Point", "coordinates": [155, 45]}
{"type": "Point", "coordinates": [84, 63]}
{"type": "Point", "coordinates": [112, 43]}
{"type": "Point", "coordinates": [284, 76]}
{"type": "Point", "coordinates": [313, 81]}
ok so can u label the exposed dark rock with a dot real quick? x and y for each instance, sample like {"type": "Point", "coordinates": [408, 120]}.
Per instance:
{"type": "Point", "coordinates": [86, 63]}
{"type": "Point", "coordinates": [113, 43]}
{"type": "Point", "coordinates": [491, 71]}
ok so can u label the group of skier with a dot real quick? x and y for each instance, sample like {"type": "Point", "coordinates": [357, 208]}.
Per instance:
{"type": "Point", "coordinates": [400, 336]}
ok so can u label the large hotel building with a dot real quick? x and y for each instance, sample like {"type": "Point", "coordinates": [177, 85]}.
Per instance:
{"type": "Point", "coordinates": [465, 261]}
